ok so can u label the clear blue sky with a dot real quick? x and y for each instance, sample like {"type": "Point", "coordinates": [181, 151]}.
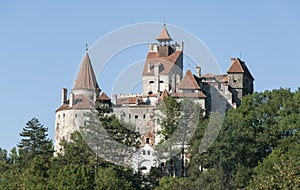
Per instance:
{"type": "Point", "coordinates": [42, 44]}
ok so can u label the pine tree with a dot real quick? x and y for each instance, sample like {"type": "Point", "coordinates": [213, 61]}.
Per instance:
{"type": "Point", "coordinates": [34, 141]}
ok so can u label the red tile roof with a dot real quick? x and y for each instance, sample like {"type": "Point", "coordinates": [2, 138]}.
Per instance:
{"type": "Point", "coordinates": [238, 66]}
{"type": "Point", "coordinates": [86, 78]}
{"type": "Point", "coordinates": [225, 79]}
{"type": "Point", "coordinates": [198, 95]}
{"type": "Point", "coordinates": [79, 102]}
{"type": "Point", "coordinates": [127, 100]}
{"type": "Point", "coordinates": [207, 75]}
{"type": "Point", "coordinates": [188, 82]}
{"type": "Point", "coordinates": [104, 96]}
{"type": "Point", "coordinates": [164, 35]}
{"type": "Point", "coordinates": [167, 63]}
{"type": "Point", "coordinates": [220, 78]}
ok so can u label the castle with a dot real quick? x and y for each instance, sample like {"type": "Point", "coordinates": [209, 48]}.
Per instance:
{"type": "Point", "coordinates": [162, 76]}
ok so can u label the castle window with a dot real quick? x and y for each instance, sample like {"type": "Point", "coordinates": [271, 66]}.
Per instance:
{"type": "Point", "coordinates": [234, 80]}
{"type": "Point", "coordinates": [148, 152]}
{"type": "Point", "coordinates": [58, 116]}
{"type": "Point", "coordinates": [147, 140]}
{"type": "Point", "coordinates": [129, 116]}
{"type": "Point", "coordinates": [144, 152]}
{"type": "Point", "coordinates": [64, 115]}
{"type": "Point", "coordinates": [161, 81]}
{"type": "Point", "coordinates": [57, 126]}
{"type": "Point", "coordinates": [144, 116]}
{"type": "Point", "coordinates": [75, 115]}
{"type": "Point", "coordinates": [136, 116]}
{"type": "Point", "coordinates": [143, 168]}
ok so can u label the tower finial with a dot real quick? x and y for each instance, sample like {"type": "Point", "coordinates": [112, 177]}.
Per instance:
{"type": "Point", "coordinates": [86, 47]}
{"type": "Point", "coordinates": [164, 21]}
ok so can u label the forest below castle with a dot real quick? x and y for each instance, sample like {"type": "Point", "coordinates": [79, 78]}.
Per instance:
{"type": "Point", "coordinates": [258, 147]}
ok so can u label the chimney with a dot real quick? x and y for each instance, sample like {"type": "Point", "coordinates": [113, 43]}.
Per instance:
{"type": "Point", "coordinates": [173, 83]}
{"type": "Point", "coordinates": [157, 78]}
{"type": "Point", "coordinates": [198, 71]}
{"type": "Point", "coordinates": [95, 97]}
{"type": "Point", "coordinates": [232, 60]}
{"type": "Point", "coordinates": [149, 66]}
{"type": "Point", "coordinates": [71, 99]}
{"type": "Point", "coordinates": [114, 99]}
{"type": "Point", "coordinates": [64, 92]}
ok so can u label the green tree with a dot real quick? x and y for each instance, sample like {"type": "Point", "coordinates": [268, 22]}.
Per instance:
{"type": "Point", "coordinates": [109, 179]}
{"type": "Point", "coordinates": [250, 133]}
{"type": "Point", "coordinates": [169, 120]}
{"type": "Point", "coordinates": [179, 120]}
{"type": "Point", "coordinates": [75, 176]}
{"type": "Point", "coordinates": [28, 169]}
{"type": "Point", "coordinates": [280, 170]}
{"type": "Point", "coordinates": [34, 141]}
{"type": "Point", "coordinates": [173, 183]}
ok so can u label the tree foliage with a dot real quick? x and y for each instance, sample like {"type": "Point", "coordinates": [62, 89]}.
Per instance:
{"type": "Point", "coordinates": [258, 147]}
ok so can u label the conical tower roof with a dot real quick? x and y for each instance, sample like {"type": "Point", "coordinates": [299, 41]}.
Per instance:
{"type": "Point", "coordinates": [164, 35]}
{"type": "Point", "coordinates": [86, 79]}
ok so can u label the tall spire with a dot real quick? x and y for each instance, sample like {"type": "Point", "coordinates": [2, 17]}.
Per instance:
{"type": "Point", "coordinates": [86, 79]}
{"type": "Point", "coordinates": [164, 35]}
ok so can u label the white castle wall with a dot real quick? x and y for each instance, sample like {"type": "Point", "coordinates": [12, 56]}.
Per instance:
{"type": "Point", "coordinates": [66, 122]}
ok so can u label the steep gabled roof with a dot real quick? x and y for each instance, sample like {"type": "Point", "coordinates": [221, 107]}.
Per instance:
{"type": "Point", "coordinates": [86, 79]}
{"type": "Point", "coordinates": [104, 96]}
{"type": "Point", "coordinates": [188, 82]}
{"type": "Point", "coordinates": [167, 63]}
{"type": "Point", "coordinates": [238, 66]}
{"type": "Point", "coordinates": [164, 35]}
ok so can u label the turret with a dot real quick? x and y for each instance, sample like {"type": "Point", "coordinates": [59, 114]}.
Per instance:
{"type": "Point", "coordinates": [240, 80]}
